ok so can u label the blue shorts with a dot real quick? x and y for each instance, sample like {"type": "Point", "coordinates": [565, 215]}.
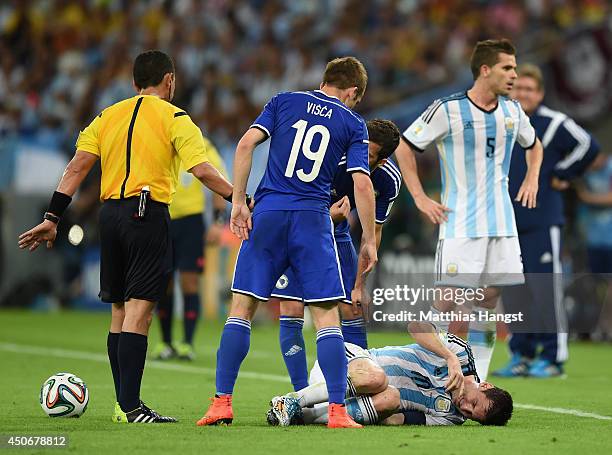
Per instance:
{"type": "Point", "coordinates": [300, 240]}
{"type": "Point", "coordinates": [288, 287]}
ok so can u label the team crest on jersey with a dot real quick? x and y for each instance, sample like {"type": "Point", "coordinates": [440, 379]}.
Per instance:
{"type": "Point", "coordinates": [417, 130]}
{"type": "Point", "coordinates": [452, 269]}
{"type": "Point", "coordinates": [442, 404]}
{"type": "Point", "coordinates": [282, 282]}
{"type": "Point", "coordinates": [509, 124]}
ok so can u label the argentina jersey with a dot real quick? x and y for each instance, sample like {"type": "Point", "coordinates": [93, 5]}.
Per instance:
{"type": "Point", "coordinates": [420, 377]}
{"type": "Point", "coordinates": [386, 180]}
{"type": "Point", "coordinates": [310, 132]}
{"type": "Point", "coordinates": [475, 148]}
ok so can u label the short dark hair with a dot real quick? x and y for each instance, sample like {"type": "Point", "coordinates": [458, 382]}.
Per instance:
{"type": "Point", "coordinates": [487, 53]}
{"type": "Point", "coordinates": [385, 134]}
{"type": "Point", "coordinates": [346, 72]}
{"type": "Point", "coordinates": [150, 67]}
{"type": "Point", "coordinates": [500, 409]}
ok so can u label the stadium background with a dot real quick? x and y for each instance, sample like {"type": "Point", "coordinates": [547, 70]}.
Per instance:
{"type": "Point", "coordinates": [62, 61]}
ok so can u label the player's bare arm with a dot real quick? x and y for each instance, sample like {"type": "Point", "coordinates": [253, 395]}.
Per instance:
{"type": "Point", "coordinates": [424, 335]}
{"type": "Point", "coordinates": [240, 222]}
{"type": "Point", "coordinates": [212, 179]}
{"type": "Point", "coordinates": [359, 297]}
{"type": "Point", "coordinates": [528, 191]}
{"type": "Point", "coordinates": [406, 159]}
{"type": "Point", "coordinates": [74, 174]}
{"type": "Point", "coordinates": [364, 200]}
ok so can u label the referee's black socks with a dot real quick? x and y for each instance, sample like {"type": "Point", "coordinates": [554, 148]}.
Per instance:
{"type": "Point", "coordinates": [112, 347]}
{"type": "Point", "coordinates": [132, 354]}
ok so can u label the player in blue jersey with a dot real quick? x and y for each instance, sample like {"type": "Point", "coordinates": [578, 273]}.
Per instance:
{"type": "Point", "coordinates": [291, 227]}
{"type": "Point", "coordinates": [386, 180]}
{"type": "Point", "coordinates": [474, 133]}
{"type": "Point", "coordinates": [397, 385]}
{"type": "Point", "coordinates": [539, 345]}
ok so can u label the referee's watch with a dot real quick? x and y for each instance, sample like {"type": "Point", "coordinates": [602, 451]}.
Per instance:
{"type": "Point", "coordinates": [51, 217]}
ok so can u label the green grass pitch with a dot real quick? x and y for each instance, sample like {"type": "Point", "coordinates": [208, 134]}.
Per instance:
{"type": "Point", "coordinates": [34, 345]}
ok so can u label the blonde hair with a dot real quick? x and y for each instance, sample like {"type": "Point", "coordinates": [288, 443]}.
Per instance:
{"type": "Point", "coordinates": [532, 71]}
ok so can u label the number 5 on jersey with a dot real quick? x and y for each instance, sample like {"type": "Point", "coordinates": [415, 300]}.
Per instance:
{"type": "Point", "coordinates": [303, 140]}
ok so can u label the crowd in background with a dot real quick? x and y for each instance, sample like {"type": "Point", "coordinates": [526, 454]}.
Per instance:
{"type": "Point", "coordinates": [63, 61]}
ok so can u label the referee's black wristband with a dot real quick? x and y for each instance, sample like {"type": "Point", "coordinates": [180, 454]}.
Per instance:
{"type": "Point", "coordinates": [59, 203]}
{"type": "Point", "coordinates": [248, 198]}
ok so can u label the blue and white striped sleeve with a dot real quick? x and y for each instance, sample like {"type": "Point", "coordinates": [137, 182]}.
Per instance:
{"type": "Point", "coordinates": [429, 127]}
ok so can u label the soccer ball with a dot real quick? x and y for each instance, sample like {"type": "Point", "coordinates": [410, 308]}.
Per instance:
{"type": "Point", "coordinates": [64, 395]}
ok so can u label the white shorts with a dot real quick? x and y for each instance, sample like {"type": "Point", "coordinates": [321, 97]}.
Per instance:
{"type": "Point", "coordinates": [353, 352]}
{"type": "Point", "coordinates": [479, 262]}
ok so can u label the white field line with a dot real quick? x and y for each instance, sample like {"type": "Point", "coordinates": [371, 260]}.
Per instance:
{"type": "Point", "coordinates": [96, 357]}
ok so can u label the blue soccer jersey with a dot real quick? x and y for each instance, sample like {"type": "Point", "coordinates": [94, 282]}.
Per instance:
{"type": "Point", "coordinates": [310, 132]}
{"type": "Point", "coordinates": [386, 180]}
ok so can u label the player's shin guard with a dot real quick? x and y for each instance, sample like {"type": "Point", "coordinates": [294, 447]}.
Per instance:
{"type": "Point", "coordinates": [233, 348]}
{"type": "Point", "coordinates": [131, 354]}
{"type": "Point", "coordinates": [332, 359]}
{"type": "Point", "coordinates": [191, 314]}
{"type": "Point", "coordinates": [112, 347]}
{"type": "Point", "coordinates": [294, 351]}
{"type": "Point", "coordinates": [481, 337]}
{"type": "Point", "coordinates": [354, 331]}
{"type": "Point", "coordinates": [362, 410]}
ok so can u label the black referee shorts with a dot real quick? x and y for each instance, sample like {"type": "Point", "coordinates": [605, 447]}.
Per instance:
{"type": "Point", "coordinates": [187, 234]}
{"type": "Point", "coordinates": [136, 254]}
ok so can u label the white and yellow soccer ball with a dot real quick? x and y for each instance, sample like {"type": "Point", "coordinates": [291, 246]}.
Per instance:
{"type": "Point", "coordinates": [64, 395]}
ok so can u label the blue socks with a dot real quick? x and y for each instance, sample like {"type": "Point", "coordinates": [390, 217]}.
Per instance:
{"type": "Point", "coordinates": [354, 331]}
{"type": "Point", "coordinates": [233, 348]}
{"type": "Point", "coordinates": [332, 359]}
{"type": "Point", "coordinates": [293, 349]}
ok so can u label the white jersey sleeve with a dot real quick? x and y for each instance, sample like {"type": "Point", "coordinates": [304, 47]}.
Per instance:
{"type": "Point", "coordinates": [432, 125]}
{"type": "Point", "coordinates": [526, 133]}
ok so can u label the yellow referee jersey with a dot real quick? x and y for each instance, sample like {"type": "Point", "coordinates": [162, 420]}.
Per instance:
{"type": "Point", "coordinates": [189, 197]}
{"type": "Point", "coordinates": [141, 142]}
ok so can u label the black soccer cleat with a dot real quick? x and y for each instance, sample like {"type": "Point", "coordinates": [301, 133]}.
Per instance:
{"type": "Point", "coordinates": [143, 414]}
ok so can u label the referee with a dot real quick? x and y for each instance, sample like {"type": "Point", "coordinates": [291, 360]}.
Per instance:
{"type": "Point", "coordinates": [141, 142]}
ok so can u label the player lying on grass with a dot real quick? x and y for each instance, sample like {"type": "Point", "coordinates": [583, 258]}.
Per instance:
{"type": "Point", "coordinates": [386, 180]}
{"type": "Point", "coordinates": [398, 385]}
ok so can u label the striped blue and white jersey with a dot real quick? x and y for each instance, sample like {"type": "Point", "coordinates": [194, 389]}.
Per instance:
{"type": "Point", "coordinates": [420, 376]}
{"type": "Point", "coordinates": [475, 147]}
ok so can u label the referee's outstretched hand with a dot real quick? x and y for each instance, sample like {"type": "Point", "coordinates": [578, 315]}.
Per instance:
{"type": "Point", "coordinates": [44, 232]}
{"type": "Point", "coordinates": [240, 221]}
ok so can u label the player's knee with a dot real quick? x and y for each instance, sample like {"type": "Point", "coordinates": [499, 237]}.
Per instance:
{"type": "Point", "coordinates": [291, 308]}
{"type": "Point", "coordinates": [379, 380]}
{"type": "Point", "coordinates": [367, 377]}
{"type": "Point", "coordinates": [347, 312]}
{"type": "Point", "coordinates": [243, 307]}
{"type": "Point", "coordinates": [387, 402]}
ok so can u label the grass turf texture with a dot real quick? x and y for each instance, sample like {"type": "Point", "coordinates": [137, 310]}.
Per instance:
{"type": "Point", "coordinates": [183, 392]}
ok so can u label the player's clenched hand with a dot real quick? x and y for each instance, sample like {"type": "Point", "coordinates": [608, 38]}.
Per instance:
{"type": "Point", "coordinates": [528, 192]}
{"type": "Point", "coordinates": [455, 376]}
{"type": "Point", "coordinates": [44, 232]}
{"type": "Point", "coordinates": [240, 221]}
{"type": "Point", "coordinates": [340, 210]}
{"type": "Point", "coordinates": [370, 256]}
{"type": "Point", "coordinates": [435, 211]}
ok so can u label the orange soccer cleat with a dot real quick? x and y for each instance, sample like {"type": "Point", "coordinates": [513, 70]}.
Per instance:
{"type": "Point", "coordinates": [339, 418]}
{"type": "Point", "coordinates": [219, 413]}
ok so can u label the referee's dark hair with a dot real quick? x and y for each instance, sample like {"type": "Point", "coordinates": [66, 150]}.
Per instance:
{"type": "Point", "coordinates": [150, 67]}
{"type": "Point", "coordinates": [385, 134]}
{"type": "Point", "coordinates": [500, 409]}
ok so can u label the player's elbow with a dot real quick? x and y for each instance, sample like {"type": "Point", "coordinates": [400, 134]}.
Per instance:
{"type": "Point", "coordinates": [362, 183]}
{"type": "Point", "coordinates": [388, 402]}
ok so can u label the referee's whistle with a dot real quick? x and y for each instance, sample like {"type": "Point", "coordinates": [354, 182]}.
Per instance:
{"type": "Point", "coordinates": [145, 192]}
